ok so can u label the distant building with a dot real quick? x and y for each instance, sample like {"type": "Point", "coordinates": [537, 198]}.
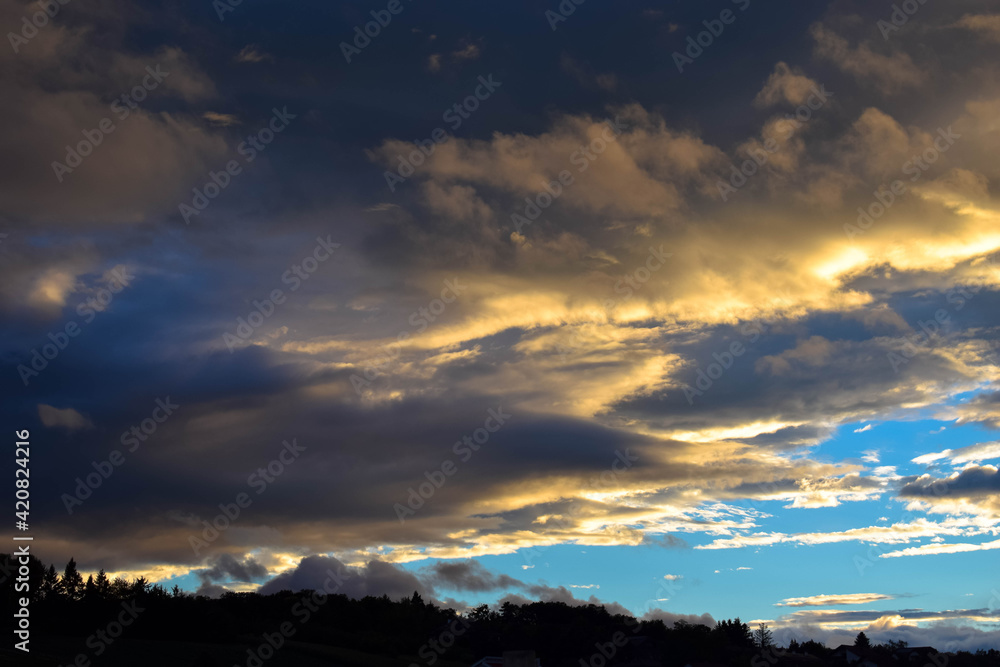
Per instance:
{"type": "Point", "coordinates": [915, 655]}
{"type": "Point", "coordinates": [910, 656]}
{"type": "Point", "coordinates": [845, 654]}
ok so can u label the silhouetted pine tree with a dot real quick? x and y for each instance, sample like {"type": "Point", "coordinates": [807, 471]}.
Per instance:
{"type": "Point", "coordinates": [103, 585]}
{"type": "Point", "coordinates": [71, 584]}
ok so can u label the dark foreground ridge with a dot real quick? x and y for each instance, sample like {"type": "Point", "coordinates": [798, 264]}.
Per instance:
{"type": "Point", "coordinates": [120, 622]}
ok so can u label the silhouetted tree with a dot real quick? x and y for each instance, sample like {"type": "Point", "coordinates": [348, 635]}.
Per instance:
{"type": "Point", "coordinates": [813, 647]}
{"type": "Point", "coordinates": [49, 586]}
{"type": "Point", "coordinates": [121, 588]}
{"type": "Point", "coordinates": [861, 641]}
{"type": "Point", "coordinates": [389, 629]}
{"type": "Point", "coordinates": [140, 586]}
{"type": "Point", "coordinates": [509, 611]}
{"type": "Point", "coordinates": [734, 632]}
{"type": "Point", "coordinates": [102, 584]}
{"type": "Point", "coordinates": [482, 614]}
{"type": "Point", "coordinates": [762, 636]}
{"type": "Point", "coordinates": [71, 584]}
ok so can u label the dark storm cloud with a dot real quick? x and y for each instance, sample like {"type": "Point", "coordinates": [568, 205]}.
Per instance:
{"type": "Point", "coordinates": [343, 468]}
{"type": "Point", "coordinates": [344, 472]}
{"type": "Point", "coordinates": [972, 482]}
{"type": "Point", "coordinates": [983, 409]}
{"type": "Point", "coordinates": [205, 79]}
{"type": "Point", "coordinates": [227, 568]}
{"type": "Point", "coordinates": [211, 590]}
{"type": "Point", "coordinates": [375, 578]}
{"type": "Point", "coordinates": [56, 101]}
{"type": "Point", "coordinates": [467, 576]}
{"type": "Point", "coordinates": [792, 376]}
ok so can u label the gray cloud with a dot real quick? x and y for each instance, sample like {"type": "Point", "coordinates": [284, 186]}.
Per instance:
{"type": "Point", "coordinates": [468, 575]}
{"type": "Point", "coordinates": [971, 482]}
{"type": "Point", "coordinates": [376, 578]}
{"type": "Point", "coordinates": [227, 568]}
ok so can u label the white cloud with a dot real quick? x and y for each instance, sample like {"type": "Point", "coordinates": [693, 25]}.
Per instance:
{"type": "Point", "coordinates": [251, 54]}
{"type": "Point", "coordinates": [899, 533]}
{"type": "Point", "coordinates": [983, 451]}
{"type": "Point", "coordinates": [66, 418]}
{"type": "Point", "coordinates": [828, 600]}
{"type": "Point", "coordinates": [987, 25]}
{"type": "Point", "coordinates": [938, 548]}
{"type": "Point", "coordinates": [785, 85]}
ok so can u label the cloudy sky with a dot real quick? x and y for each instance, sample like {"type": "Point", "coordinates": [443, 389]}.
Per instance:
{"type": "Point", "coordinates": [688, 308]}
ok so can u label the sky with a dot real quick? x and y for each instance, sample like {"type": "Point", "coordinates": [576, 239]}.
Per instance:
{"type": "Point", "coordinates": [684, 308]}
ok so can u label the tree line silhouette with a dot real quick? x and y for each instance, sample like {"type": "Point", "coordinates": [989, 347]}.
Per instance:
{"type": "Point", "coordinates": [409, 630]}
